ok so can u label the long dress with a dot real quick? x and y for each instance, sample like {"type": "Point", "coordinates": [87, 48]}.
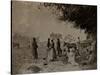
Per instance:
{"type": "Point", "coordinates": [71, 57]}
{"type": "Point", "coordinates": [51, 53]}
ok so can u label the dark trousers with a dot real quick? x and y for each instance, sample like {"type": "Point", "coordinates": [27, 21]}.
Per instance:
{"type": "Point", "coordinates": [59, 51]}
{"type": "Point", "coordinates": [35, 53]}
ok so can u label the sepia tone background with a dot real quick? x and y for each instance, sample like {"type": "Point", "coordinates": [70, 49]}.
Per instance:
{"type": "Point", "coordinates": [31, 19]}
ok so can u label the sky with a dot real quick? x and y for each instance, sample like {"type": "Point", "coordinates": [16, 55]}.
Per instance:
{"type": "Point", "coordinates": [30, 19]}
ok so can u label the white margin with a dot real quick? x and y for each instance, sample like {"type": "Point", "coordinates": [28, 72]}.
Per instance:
{"type": "Point", "coordinates": [5, 36]}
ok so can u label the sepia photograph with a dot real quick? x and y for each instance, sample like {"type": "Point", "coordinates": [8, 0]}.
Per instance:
{"type": "Point", "coordinates": [52, 37]}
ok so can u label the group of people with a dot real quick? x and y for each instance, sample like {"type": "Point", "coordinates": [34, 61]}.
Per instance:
{"type": "Point", "coordinates": [54, 51]}
{"type": "Point", "coordinates": [69, 51]}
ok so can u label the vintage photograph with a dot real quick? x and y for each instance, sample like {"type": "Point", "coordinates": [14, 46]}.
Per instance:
{"type": "Point", "coordinates": [53, 37]}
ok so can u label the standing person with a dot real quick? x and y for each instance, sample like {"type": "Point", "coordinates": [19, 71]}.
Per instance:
{"type": "Point", "coordinates": [49, 53]}
{"type": "Point", "coordinates": [48, 43]}
{"type": "Point", "coordinates": [59, 48]}
{"type": "Point", "coordinates": [34, 47]}
{"type": "Point", "coordinates": [64, 53]}
{"type": "Point", "coordinates": [53, 50]}
{"type": "Point", "coordinates": [50, 46]}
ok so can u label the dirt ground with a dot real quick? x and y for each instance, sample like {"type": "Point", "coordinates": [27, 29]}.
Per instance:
{"type": "Point", "coordinates": [23, 63]}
